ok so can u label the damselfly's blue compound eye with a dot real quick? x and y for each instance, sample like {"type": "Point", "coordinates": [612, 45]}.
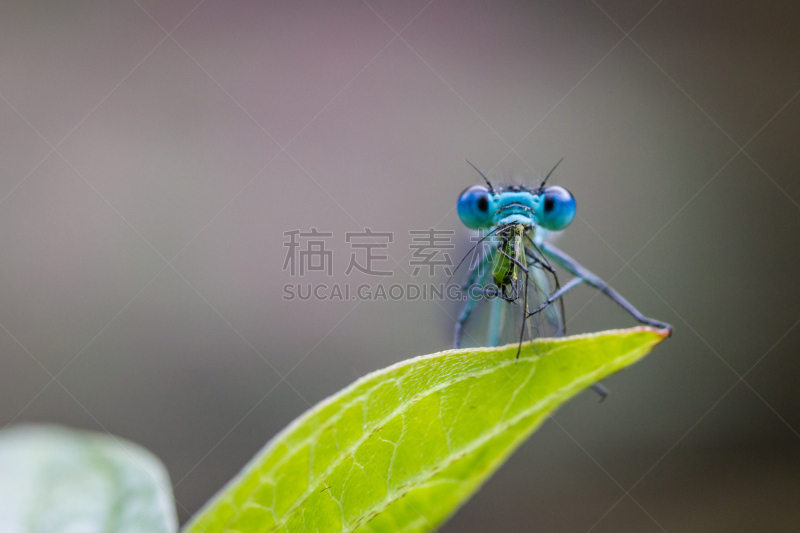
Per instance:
{"type": "Point", "coordinates": [557, 209]}
{"type": "Point", "coordinates": [475, 207]}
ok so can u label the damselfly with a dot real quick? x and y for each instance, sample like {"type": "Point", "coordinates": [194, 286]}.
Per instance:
{"type": "Point", "coordinates": [515, 268]}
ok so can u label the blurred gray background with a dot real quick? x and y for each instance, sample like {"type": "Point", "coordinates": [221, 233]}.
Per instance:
{"type": "Point", "coordinates": [153, 153]}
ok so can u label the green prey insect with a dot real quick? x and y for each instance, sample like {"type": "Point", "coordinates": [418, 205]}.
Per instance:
{"type": "Point", "coordinates": [515, 221]}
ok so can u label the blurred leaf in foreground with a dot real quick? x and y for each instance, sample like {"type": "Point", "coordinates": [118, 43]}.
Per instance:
{"type": "Point", "coordinates": [402, 448]}
{"type": "Point", "coordinates": [57, 480]}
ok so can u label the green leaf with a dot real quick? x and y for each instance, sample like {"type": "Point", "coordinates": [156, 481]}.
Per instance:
{"type": "Point", "coordinates": [402, 448]}
{"type": "Point", "coordinates": [54, 479]}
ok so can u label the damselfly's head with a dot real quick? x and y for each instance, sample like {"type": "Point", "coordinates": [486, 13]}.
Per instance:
{"type": "Point", "coordinates": [551, 207]}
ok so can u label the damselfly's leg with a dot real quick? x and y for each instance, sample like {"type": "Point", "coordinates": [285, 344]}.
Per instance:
{"type": "Point", "coordinates": [514, 260]}
{"type": "Point", "coordinates": [576, 269]}
{"type": "Point", "coordinates": [462, 319]}
{"type": "Point", "coordinates": [555, 316]}
{"type": "Point", "coordinates": [477, 271]}
{"type": "Point", "coordinates": [571, 284]}
{"type": "Point", "coordinates": [497, 317]}
{"type": "Point", "coordinates": [537, 260]}
{"type": "Point", "coordinates": [600, 389]}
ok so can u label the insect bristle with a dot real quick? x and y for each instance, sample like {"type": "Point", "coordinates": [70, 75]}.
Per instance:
{"type": "Point", "coordinates": [489, 183]}
{"type": "Point", "coordinates": [550, 173]}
